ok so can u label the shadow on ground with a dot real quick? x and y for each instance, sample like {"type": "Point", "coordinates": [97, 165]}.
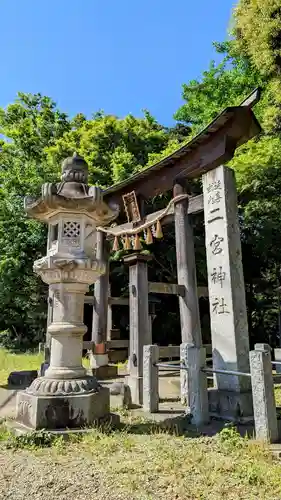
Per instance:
{"type": "Point", "coordinates": [180, 425]}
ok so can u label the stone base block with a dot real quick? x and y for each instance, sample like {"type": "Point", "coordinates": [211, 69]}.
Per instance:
{"type": "Point", "coordinates": [62, 412]}
{"type": "Point", "coordinates": [233, 406]}
{"type": "Point", "coordinates": [105, 372]}
{"type": "Point", "coordinates": [135, 385]}
{"type": "Point", "coordinates": [118, 355]}
{"type": "Point", "coordinates": [22, 377]}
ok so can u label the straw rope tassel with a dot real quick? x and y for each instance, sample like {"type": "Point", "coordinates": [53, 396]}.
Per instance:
{"type": "Point", "coordinates": [137, 243]}
{"type": "Point", "coordinates": [115, 247]}
{"type": "Point", "coordinates": [159, 232]}
{"type": "Point", "coordinates": [127, 244]}
{"type": "Point", "coordinates": [149, 237]}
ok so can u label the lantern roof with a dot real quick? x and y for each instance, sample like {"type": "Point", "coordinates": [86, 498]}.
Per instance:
{"type": "Point", "coordinates": [72, 194]}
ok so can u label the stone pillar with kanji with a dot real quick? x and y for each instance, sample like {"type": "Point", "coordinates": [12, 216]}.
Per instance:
{"type": "Point", "coordinates": [67, 397]}
{"type": "Point", "coordinates": [231, 395]}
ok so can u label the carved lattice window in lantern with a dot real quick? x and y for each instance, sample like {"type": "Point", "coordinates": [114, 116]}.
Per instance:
{"type": "Point", "coordinates": [71, 229]}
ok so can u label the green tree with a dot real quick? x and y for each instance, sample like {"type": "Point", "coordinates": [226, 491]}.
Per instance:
{"type": "Point", "coordinates": [251, 59]}
{"type": "Point", "coordinates": [113, 148]}
{"type": "Point", "coordinates": [222, 85]}
{"type": "Point", "coordinates": [256, 28]}
{"type": "Point", "coordinates": [36, 138]}
{"type": "Point", "coordinates": [27, 127]}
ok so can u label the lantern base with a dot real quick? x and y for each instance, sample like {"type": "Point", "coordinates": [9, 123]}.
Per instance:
{"type": "Point", "coordinates": [52, 412]}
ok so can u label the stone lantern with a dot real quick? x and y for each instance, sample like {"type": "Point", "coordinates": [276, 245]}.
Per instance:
{"type": "Point", "coordinates": [66, 397]}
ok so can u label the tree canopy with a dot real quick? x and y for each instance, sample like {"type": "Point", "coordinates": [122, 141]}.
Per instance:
{"type": "Point", "coordinates": [36, 136]}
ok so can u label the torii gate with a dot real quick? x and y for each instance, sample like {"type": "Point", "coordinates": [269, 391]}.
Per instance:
{"type": "Point", "coordinates": [208, 151]}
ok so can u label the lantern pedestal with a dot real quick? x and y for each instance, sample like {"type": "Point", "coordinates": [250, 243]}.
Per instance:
{"type": "Point", "coordinates": [65, 411]}
{"type": "Point", "coordinates": [66, 397]}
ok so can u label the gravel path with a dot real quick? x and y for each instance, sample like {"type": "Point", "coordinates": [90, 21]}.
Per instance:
{"type": "Point", "coordinates": [33, 476]}
{"type": "Point", "coordinates": [141, 465]}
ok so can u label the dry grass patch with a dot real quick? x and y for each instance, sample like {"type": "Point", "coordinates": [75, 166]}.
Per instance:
{"type": "Point", "coordinates": [142, 462]}
{"type": "Point", "coordinates": [10, 362]}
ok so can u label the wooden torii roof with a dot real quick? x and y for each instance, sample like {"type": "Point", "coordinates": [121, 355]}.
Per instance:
{"type": "Point", "coordinates": [213, 146]}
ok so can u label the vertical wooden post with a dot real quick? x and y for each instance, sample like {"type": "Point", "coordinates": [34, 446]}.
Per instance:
{"type": "Point", "coordinates": [194, 359]}
{"type": "Point", "coordinates": [48, 338]}
{"type": "Point", "coordinates": [49, 316]}
{"type": "Point", "coordinates": [109, 316]}
{"type": "Point", "coordinates": [140, 332]}
{"type": "Point", "coordinates": [186, 269]}
{"type": "Point", "coordinates": [99, 359]}
{"type": "Point", "coordinates": [100, 295]}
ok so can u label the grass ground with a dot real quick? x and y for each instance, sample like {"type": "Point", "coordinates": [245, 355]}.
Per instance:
{"type": "Point", "coordinates": [25, 361]}
{"type": "Point", "coordinates": [140, 462]}
{"type": "Point", "coordinates": [12, 362]}
{"type": "Point", "coordinates": [29, 361]}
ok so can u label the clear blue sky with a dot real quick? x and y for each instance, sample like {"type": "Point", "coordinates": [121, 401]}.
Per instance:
{"type": "Point", "coordinates": [117, 55]}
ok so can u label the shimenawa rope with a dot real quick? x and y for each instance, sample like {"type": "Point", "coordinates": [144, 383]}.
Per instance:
{"type": "Point", "coordinates": [139, 229]}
